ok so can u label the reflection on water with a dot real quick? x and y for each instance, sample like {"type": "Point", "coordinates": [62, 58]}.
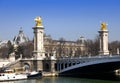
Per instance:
{"type": "Point", "coordinates": [103, 76]}
{"type": "Point", "coordinates": [64, 80]}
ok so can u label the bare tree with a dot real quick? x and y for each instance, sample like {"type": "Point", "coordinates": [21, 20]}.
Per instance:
{"type": "Point", "coordinates": [93, 46]}
{"type": "Point", "coordinates": [113, 46]}
{"type": "Point", "coordinates": [61, 46]}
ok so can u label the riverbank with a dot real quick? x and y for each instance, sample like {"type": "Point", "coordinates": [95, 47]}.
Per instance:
{"type": "Point", "coordinates": [49, 74]}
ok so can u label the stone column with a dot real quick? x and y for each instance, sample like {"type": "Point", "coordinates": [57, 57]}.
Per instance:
{"type": "Point", "coordinates": [38, 52]}
{"type": "Point", "coordinates": [103, 36]}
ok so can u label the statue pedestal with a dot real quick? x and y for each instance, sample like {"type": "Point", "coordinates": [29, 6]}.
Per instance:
{"type": "Point", "coordinates": [103, 34]}
{"type": "Point", "coordinates": [38, 52]}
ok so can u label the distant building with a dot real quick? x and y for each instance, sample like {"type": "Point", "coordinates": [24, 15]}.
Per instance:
{"type": "Point", "coordinates": [60, 48]}
{"type": "Point", "coordinates": [63, 48]}
{"type": "Point", "coordinates": [20, 38]}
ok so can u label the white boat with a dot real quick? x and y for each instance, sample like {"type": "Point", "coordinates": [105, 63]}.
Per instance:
{"type": "Point", "coordinates": [34, 74]}
{"type": "Point", "coordinates": [12, 76]}
{"type": "Point", "coordinates": [18, 74]}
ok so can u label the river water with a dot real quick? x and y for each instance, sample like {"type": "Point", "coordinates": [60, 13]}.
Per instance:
{"type": "Point", "coordinates": [67, 80]}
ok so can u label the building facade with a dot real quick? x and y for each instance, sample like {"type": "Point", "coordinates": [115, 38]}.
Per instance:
{"type": "Point", "coordinates": [63, 48]}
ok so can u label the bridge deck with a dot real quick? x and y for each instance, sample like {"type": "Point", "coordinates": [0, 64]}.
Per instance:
{"type": "Point", "coordinates": [97, 64]}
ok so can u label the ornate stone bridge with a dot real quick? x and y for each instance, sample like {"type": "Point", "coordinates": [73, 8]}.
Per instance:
{"type": "Point", "coordinates": [71, 66]}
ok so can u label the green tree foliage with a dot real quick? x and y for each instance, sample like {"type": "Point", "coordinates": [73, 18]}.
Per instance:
{"type": "Point", "coordinates": [19, 51]}
{"type": "Point", "coordinates": [25, 50]}
{"type": "Point", "coordinates": [10, 48]}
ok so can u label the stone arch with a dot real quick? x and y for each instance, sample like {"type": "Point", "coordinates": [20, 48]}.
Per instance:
{"type": "Point", "coordinates": [26, 66]}
{"type": "Point", "coordinates": [65, 65]}
{"type": "Point", "coordinates": [62, 64]}
{"type": "Point", "coordinates": [47, 67]}
{"type": "Point", "coordinates": [70, 64]}
{"type": "Point", "coordinates": [56, 66]}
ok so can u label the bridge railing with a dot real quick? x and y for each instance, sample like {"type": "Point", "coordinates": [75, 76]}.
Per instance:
{"type": "Point", "coordinates": [98, 56]}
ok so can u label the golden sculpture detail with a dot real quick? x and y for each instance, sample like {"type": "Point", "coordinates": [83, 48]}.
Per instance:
{"type": "Point", "coordinates": [103, 26]}
{"type": "Point", "coordinates": [38, 21]}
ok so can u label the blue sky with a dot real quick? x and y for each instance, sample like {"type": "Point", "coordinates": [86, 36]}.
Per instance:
{"type": "Point", "coordinates": [69, 19]}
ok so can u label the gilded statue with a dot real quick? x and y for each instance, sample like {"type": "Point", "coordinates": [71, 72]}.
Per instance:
{"type": "Point", "coordinates": [103, 26]}
{"type": "Point", "coordinates": [38, 21]}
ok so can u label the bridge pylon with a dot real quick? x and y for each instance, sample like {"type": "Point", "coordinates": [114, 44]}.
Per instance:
{"type": "Point", "coordinates": [103, 37]}
{"type": "Point", "coordinates": [38, 52]}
